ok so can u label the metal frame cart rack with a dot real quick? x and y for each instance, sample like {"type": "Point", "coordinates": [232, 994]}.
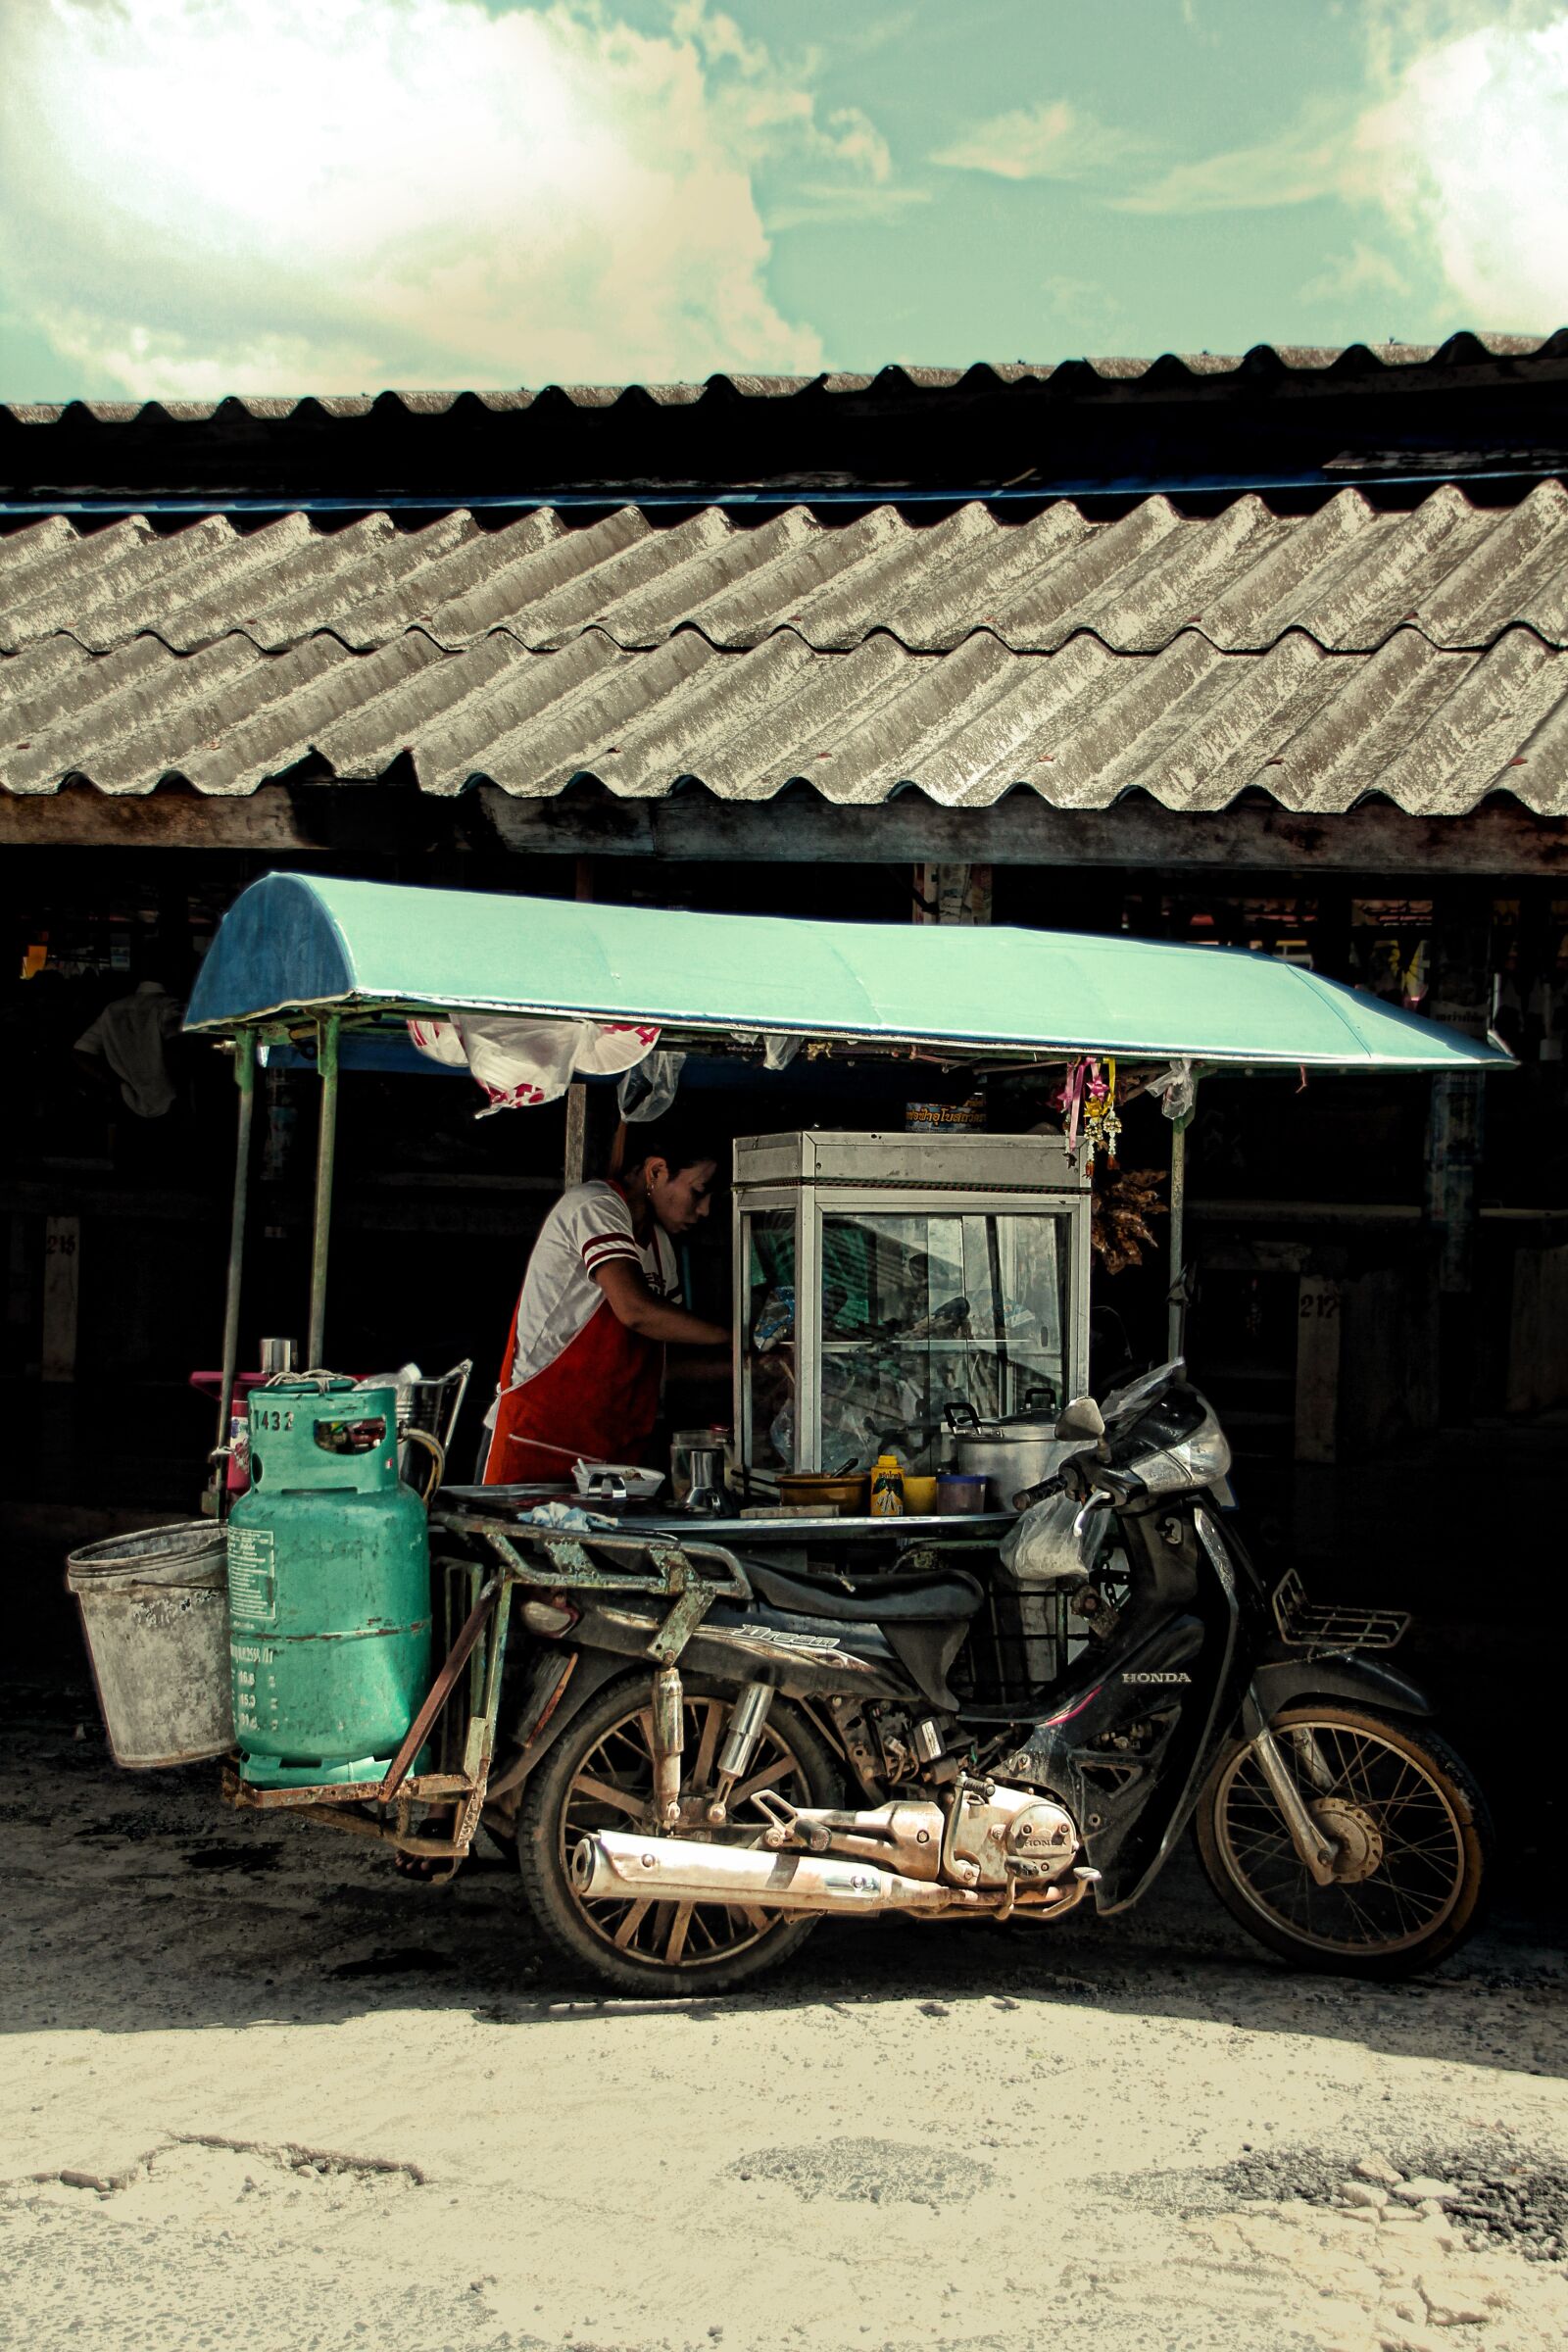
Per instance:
{"type": "Point", "coordinates": [328, 968]}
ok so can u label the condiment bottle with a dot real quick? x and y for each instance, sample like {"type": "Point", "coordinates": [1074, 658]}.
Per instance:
{"type": "Point", "coordinates": [887, 1488]}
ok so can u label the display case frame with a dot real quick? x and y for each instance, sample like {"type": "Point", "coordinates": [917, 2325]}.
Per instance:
{"type": "Point", "coordinates": [810, 1175]}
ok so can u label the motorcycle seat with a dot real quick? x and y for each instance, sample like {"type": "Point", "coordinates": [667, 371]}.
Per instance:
{"type": "Point", "coordinates": [875, 1601]}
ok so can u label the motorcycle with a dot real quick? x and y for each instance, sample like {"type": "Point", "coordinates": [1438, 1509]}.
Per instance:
{"type": "Point", "coordinates": [683, 1830]}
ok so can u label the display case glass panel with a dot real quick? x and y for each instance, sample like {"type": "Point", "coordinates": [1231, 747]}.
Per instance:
{"type": "Point", "coordinates": [866, 1307]}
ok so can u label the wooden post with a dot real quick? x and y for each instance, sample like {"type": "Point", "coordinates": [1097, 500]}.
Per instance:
{"type": "Point", "coordinates": [1459, 994]}
{"type": "Point", "coordinates": [576, 1155]}
{"type": "Point", "coordinates": [952, 894]}
{"type": "Point", "coordinates": [576, 1133]}
{"type": "Point", "coordinates": [61, 1277]}
{"type": "Point", "coordinates": [1320, 1321]}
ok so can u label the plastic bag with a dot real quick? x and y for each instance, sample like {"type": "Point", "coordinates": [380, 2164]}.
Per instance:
{"type": "Point", "coordinates": [1040, 1547]}
{"type": "Point", "coordinates": [648, 1088]}
{"type": "Point", "coordinates": [570, 1516]}
{"type": "Point", "coordinates": [777, 1052]}
{"type": "Point", "coordinates": [775, 1319]}
{"type": "Point", "coordinates": [1177, 1090]}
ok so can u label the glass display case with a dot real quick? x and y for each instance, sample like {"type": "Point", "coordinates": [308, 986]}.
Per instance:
{"type": "Point", "coordinates": [880, 1278]}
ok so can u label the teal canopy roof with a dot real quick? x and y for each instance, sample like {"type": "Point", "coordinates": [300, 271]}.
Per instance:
{"type": "Point", "coordinates": [293, 945]}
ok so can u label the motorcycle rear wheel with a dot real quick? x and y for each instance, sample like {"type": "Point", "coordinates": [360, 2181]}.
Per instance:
{"type": "Point", "coordinates": [598, 1775]}
{"type": "Point", "coordinates": [1414, 1833]}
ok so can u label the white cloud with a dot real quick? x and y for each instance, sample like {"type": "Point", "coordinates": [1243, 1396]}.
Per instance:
{"type": "Point", "coordinates": [1346, 276]}
{"type": "Point", "coordinates": [1054, 140]}
{"type": "Point", "coordinates": [1462, 147]}
{"type": "Point", "coordinates": [1085, 309]}
{"type": "Point", "coordinates": [1472, 151]}
{"type": "Point", "coordinates": [1317, 156]}
{"type": "Point", "coordinates": [207, 196]}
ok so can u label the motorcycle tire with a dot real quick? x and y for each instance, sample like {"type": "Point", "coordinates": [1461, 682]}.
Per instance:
{"type": "Point", "coordinates": [1414, 1831]}
{"type": "Point", "coordinates": [650, 1949]}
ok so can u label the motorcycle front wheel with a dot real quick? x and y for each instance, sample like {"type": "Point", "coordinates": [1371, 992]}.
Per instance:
{"type": "Point", "coordinates": [599, 1776]}
{"type": "Point", "coordinates": [1412, 1828]}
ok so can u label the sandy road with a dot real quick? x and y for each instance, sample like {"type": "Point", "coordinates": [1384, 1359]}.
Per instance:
{"type": "Point", "coordinates": [260, 2093]}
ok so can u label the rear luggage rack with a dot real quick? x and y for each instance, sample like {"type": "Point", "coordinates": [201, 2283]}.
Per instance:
{"type": "Point", "coordinates": [1333, 1624]}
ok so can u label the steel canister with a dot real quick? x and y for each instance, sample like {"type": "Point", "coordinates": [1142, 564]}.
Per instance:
{"type": "Point", "coordinates": [328, 1588]}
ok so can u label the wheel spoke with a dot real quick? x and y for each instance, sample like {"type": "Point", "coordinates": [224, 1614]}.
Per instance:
{"type": "Point", "coordinates": [1416, 1868]}
{"type": "Point", "coordinates": [603, 1793]}
{"type": "Point", "coordinates": [779, 1770]}
{"type": "Point", "coordinates": [684, 1938]}
{"type": "Point", "coordinates": [679, 1927]}
{"type": "Point", "coordinates": [706, 1746]}
{"type": "Point", "coordinates": [632, 1922]}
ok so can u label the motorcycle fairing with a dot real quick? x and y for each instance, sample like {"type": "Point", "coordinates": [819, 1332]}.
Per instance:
{"type": "Point", "coordinates": [1132, 1807]}
{"type": "Point", "coordinates": [1110, 1792]}
{"type": "Point", "coordinates": [1287, 1677]}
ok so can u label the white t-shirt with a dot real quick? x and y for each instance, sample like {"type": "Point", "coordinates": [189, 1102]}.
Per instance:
{"type": "Point", "coordinates": [130, 1034]}
{"type": "Point", "coordinates": [586, 1228]}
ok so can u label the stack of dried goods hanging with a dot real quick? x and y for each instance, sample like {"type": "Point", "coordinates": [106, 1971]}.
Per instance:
{"type": "Point", "coordinates": [1125, 1201]}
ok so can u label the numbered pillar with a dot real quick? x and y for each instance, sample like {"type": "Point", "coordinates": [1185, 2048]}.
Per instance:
{"type": "Point", "coordinates": [1319, 1330]}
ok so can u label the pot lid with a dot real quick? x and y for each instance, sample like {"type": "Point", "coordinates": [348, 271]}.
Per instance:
{"type": "Point", "coordinates": [1038, 1418]}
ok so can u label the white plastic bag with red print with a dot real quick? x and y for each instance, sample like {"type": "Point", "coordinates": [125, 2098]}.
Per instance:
{"type": "Point", "coordinates": [521, 1064]}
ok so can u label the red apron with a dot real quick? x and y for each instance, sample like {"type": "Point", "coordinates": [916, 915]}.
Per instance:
{"type": "Point", "coordinates": [598, 1399]}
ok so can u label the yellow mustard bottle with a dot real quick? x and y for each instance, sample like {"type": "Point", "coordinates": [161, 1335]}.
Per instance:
{"type": "Point", "coordinates": [887, 1488]}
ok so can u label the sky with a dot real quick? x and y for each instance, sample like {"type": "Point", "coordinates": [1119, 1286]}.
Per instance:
{"type": "Point", "coordinates": [200, 197]}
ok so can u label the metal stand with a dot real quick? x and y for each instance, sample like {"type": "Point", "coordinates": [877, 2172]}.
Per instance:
{"type": "Point", "coordinates": [1175, 1335]}
{"type": "Point", "coordinates": [691, 1576]}
{"type": "Point", "coordinates": [325, 1160]}
{"type": "Point", "coordinates": [245, 1080]}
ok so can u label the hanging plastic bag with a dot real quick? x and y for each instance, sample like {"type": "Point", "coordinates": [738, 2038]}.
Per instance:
{"type": "Point", "coordinates": [777, 1052]}
{"type": "Point", "coordinates": [1177, 1090]}
{"type": "Point", "coordinates": [649, 1087]}
{"type": "Point", "coordinates": [1041, 1551]}
{"type": "Point", "coordinates": [521, 1064]}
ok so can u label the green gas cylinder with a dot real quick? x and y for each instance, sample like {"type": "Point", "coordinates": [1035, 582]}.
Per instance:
{"type": "Point", "coordinates": [328, 1588]}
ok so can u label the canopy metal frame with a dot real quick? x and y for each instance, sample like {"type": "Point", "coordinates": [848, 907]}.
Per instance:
{"type": "Point", "coordinates": [353, 942]}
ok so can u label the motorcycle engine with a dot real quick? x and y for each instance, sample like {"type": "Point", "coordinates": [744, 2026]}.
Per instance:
{"type": "Point", "coordinates": [1002, 1833]}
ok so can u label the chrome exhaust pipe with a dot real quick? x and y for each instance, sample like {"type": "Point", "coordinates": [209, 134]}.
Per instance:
{"type": "Point", "coordinates": [611, 1864]}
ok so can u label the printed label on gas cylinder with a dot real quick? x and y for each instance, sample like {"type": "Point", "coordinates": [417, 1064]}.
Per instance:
{"type": "Point", "coordinates": [253, 1574]}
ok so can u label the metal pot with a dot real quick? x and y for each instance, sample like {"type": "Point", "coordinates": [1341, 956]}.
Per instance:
{"type": "Point", "coordinates": [1012, 1452]}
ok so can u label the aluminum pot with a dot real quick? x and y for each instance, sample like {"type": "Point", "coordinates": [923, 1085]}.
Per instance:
{"type": "Point", "coordinates": [1012, 1452]}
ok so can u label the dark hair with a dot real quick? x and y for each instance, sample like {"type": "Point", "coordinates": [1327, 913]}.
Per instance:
{"type": "Point", "coordinates": [674, 1139]}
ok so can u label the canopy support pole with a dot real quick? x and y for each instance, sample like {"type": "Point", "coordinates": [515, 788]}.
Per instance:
{"type": "Point", "coordinates": [1175, 1335]}
{"type": "Point", "coordinates": [577, 1153]}
{"type": "Point", "coordinates": [245, 1080]}
{"type": "Point", "coordinates": [325, 1159]}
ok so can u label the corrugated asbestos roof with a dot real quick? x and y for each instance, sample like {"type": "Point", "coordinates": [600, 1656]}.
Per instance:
{"type": "Point", "coordinates": [1347, 576]}
{"type": "Point", "coordinates": [1463, 350]}
{"type": "Point", "coordinates": [1322, 658]}
{"type": "Point", "coordinates": [1194, 726]}
{"type": "Point", "coordinates": [1204, 426]}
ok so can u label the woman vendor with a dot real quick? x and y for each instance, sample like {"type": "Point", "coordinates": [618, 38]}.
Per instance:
{"type": "Point", "coordinates": [600, 1303]}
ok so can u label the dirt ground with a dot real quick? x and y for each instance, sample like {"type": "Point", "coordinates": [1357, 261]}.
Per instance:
{"type": "Point", "coordinates": [261, 2093]}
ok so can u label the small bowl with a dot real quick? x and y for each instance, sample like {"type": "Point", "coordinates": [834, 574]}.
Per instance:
{"type": "Point", "coordinates": [962, 1495]}
{"type": "Point", "coordinates": [828, 1494]}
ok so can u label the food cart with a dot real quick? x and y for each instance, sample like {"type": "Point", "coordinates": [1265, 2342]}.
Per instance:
{"type": "Point", "coordinates": [911, 1273]}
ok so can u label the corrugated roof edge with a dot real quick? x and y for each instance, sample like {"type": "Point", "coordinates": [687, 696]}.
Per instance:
{"type": "Point", "coordinates": [1462, 351]}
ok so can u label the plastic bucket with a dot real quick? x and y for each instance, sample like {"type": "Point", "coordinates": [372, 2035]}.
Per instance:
{"type": "Point", "coordinates": [154, 1617]}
